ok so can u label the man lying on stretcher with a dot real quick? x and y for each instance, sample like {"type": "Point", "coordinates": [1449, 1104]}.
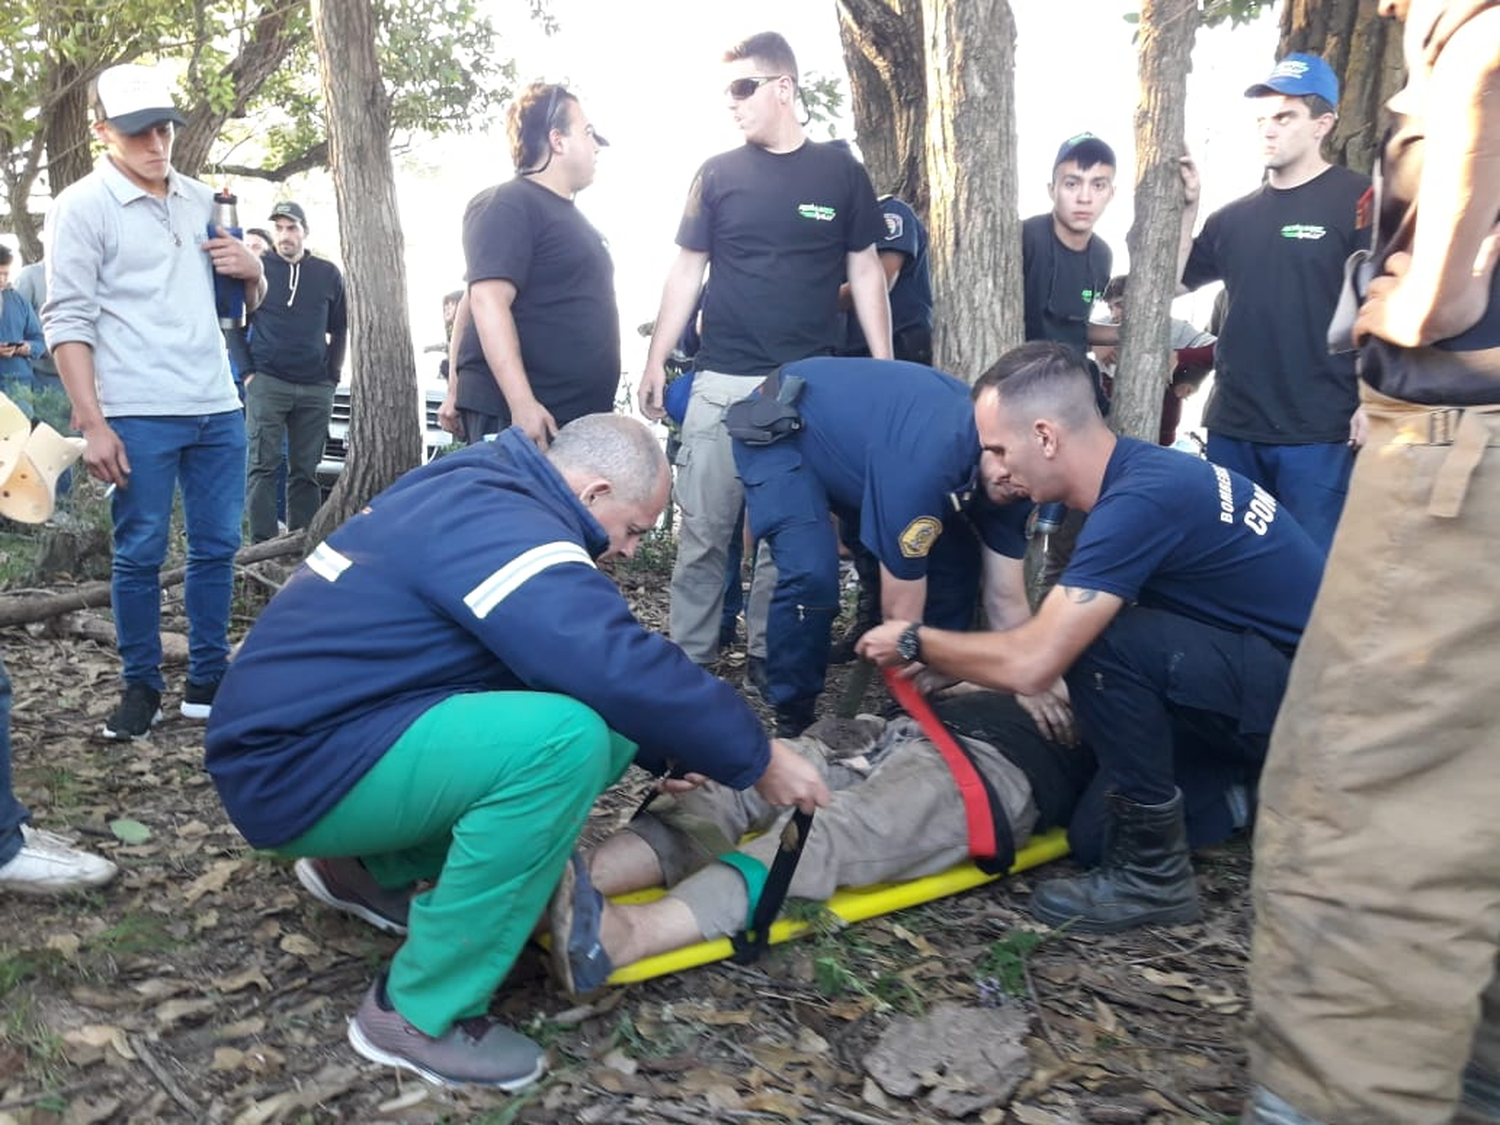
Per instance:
{"type": "Point", "coordinates": [897, 814]}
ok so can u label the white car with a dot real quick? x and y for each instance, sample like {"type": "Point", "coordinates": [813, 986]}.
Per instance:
{"type": "Point", "coordinates": [336, 449]}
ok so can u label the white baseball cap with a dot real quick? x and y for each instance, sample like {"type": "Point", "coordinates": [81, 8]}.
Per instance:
{"type": "Point", "coordinates": [133, 98]}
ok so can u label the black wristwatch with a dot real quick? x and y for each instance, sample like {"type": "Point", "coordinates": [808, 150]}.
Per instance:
{"type": "Point", "coordinates": [909, 644]}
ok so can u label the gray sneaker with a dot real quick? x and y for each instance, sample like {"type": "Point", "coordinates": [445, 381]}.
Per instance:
{"type": "Point", "coordinates": [346, 885]}
{"type": "Point", "coordinates": [473, 1052]}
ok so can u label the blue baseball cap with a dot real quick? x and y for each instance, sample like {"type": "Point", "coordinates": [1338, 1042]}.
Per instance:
{"type": "Point", "coordinates": [1298, 75]}
{"type": "Point", "coordinates": [1086, 150]}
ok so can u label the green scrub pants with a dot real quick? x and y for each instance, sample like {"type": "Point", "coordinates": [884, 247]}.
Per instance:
{"type": "Point", "coordinates": [486, 793]}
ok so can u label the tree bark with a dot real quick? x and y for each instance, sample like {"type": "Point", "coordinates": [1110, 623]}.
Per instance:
{"type": "Point", "coordinates": [1365, 52]}
{"type": "Point", "coordinates": [882, 46]}
{"type": "Point", "coordinates": [974, 228]}
{"type": "Point", "coordinates": [67, 127]}
{"type": "Point", "coordinates": [1167, 29]}
{"type": "Point", "coordinates": [271, 40]}
{"type": "Point", "coordinates": [385, 429]}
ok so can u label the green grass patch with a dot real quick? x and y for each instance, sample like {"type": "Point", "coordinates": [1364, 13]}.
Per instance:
{"type": "Point", "coordinates": [24, 1031]}
{"type": "Point", "coordinates": [17, 967]}
{"type": "Point", "coordinates": [134, 933]}
{"type": "Point", "coordinates": [1001, 971]}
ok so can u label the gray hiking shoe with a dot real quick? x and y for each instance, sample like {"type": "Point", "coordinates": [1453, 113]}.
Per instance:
{"type": "Point", "coordinates": [473, 1052]}
{"type": "Point", "coordinates": [345, 885]}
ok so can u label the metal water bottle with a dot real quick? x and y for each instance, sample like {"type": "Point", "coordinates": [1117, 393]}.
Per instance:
{"type": "Point", "coordinates": [229, 292]}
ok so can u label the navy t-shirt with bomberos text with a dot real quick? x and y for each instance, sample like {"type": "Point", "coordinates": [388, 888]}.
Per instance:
{"type": "Point", "coordinates": [1174, 532]}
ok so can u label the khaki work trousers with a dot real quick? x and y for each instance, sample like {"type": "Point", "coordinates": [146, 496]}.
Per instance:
{"type": "Point", "coordinates": [708, 491]}
{"type": "Point", "coordinates": [903, 820]}
{"type": "Point", "coordinates": [1377, 847]}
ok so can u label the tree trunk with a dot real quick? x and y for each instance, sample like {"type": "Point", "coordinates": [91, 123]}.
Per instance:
{"type": "Point", "coordinates": [67, 128]}
{"type": "Point", "coordinates": [882, 41]}
{"type": "Point", "coordinates": [269, 43]}
{"type": "Point", "coordinates": [1365, 52]}
{"type": "Point", "coordinates": [1167, 29]}
{"type": "Point", "coordinates": [974, 229]}
{"type": "Point", "coordinates": [385, 432]}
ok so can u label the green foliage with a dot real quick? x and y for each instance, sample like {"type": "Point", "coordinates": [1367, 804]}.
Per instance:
{"type": "Point", "coordinates": [19, 967]}
{"type": "Point", "coordinates": [134, 932]}
{"type": "Point", "coordinates": [1002, 970]}
{"type": "Point", "coordinates": [444, 67]}
{"type": "Point", "coordinates": [1215, 12]}
{"type": "Point", "coordinates": [824, 98]}
{"type": "Point", "coordinates": [654, 555]}
{"type": "Point", "coordinates": [846, 964]}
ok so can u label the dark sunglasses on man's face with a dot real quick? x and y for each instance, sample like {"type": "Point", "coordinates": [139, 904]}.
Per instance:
{"type": "Point", "coordinates": [742, 88]}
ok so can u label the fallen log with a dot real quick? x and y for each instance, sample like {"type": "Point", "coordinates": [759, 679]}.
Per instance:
{"type": "Point", "coordinates": [23, 609]}
{"type": "Point", "coordinates": [174, 646]}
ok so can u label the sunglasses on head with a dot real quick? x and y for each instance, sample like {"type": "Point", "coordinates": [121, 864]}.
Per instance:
{"type": "Point", "coordinates": [552, 100]}
{"type": "Point", "coordinates": [742, 88]}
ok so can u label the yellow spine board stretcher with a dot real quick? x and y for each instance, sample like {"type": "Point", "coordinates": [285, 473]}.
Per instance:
{"type": "Point", "coordinates": [851, 904]}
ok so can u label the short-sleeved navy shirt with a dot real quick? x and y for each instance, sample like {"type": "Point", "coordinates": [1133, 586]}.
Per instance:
{"type": "Point", "coordinates": [894, 443]}
{"type": "Point", "coordinates": [911, 295]}
{"type": "Point", "coordinates": [1178, 533]}
{"type": "Point", "coordinates": [778, 229]}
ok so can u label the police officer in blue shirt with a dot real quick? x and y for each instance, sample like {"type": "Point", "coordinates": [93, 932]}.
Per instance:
{"type": "Point", "coordinates": [903, 257]}
{"type": "Point", "coordinates": [1174, 624]}
{"type": "Point", "coordinates": [890, 448]}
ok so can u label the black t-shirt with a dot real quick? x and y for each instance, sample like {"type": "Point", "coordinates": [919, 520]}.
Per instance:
{"type": "Point", "coordinates": [1061, 285]}
{"type": "Point", "coordinates": [1281, 253]}
{"type": "Point", "coordinates": [777, 228]}
{"type": "Point", "coordinates": [565, 310]}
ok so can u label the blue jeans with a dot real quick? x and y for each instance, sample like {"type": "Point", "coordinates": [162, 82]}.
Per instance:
{"type": "Point", "coordinates": [205, 455]}
{"type": "Point", "coordinates": [13, 814]}
{"type": "Point", "coordinates": [1310, 481]}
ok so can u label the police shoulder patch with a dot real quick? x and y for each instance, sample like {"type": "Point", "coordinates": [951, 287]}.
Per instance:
{"type": "Point", "coordinates": [919, 537]}
{"type": "Point", "coordinates": [893, 226]}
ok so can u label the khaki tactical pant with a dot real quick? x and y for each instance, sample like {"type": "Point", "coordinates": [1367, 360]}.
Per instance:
{"type": "Point", "coordinates": [709, 493]}
{"type": "Point", "coordinates": [1377, 848]}
{"type": "Point", "coordinates": [902, 821]}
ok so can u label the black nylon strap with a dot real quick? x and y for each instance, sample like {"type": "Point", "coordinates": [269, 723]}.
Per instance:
{"type": "Point", "coordinates": [750, 943]}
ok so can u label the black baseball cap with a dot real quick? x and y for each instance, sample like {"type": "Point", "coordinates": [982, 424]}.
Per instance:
{"type": "Point", "coordinates": [289, 210]}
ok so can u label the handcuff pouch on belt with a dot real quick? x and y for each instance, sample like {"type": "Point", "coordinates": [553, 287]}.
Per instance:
{"type": "Point", "coordinates": [768, 415]}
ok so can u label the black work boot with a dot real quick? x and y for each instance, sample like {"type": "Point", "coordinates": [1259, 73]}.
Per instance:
{"type": "Point", "coordinates": [1144, 878]}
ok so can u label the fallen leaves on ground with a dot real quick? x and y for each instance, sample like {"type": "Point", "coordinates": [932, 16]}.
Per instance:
{"type": "Point", "coordinates": [204, 985]}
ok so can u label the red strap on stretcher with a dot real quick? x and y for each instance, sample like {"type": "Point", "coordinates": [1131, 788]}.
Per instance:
{"type": "Point", "coordinates": [971, 789]}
